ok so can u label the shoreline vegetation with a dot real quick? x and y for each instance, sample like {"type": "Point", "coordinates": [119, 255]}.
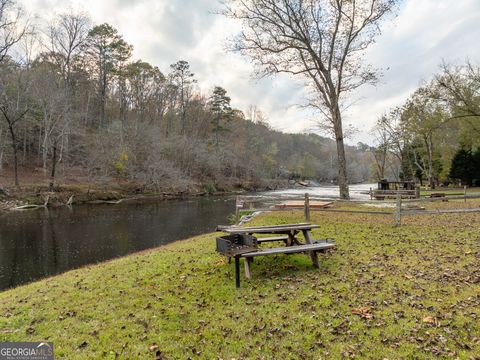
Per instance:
{"type": "Point", "coordinates": [385, 292]}
{"type": "Point", "coordinates": [115, 192]}
{"type": "Point", "coordinates": [39, 195]}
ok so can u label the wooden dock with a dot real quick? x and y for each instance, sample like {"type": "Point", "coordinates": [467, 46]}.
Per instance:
{"type": "Point", "coordinates": [297, 204]}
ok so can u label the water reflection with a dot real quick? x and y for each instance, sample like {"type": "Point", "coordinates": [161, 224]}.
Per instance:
{"type": "Point", "coordinates": [36, 244]}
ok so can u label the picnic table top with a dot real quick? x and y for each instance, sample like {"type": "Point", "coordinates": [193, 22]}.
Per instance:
{"type": "Point", "coordinates": [271, 229]}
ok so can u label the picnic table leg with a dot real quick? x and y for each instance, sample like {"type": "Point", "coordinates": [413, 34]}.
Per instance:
{"type": "Point", "coordinates": [237, 271]}
{"type": "Point", "coordinates": [292, 238]}
{"type": "Point", "coordinates": [313, 254]}
{"type": "Point", "coordinates": [246, 262]}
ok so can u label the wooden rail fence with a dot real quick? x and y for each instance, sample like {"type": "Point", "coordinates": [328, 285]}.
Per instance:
{"type": "Point", "coordinates": [397, 213]}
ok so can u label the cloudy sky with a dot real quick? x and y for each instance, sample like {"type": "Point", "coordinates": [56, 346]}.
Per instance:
{"type": "Point", "coordinates": [164, 31]}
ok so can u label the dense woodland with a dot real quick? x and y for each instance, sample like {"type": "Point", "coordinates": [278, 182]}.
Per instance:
{"type": "Point", "coordinates": [434, 137]}
{"type": "Point", "coordinates": [72, 97]}
{"type": "Point", "coordinates": [74, 101]}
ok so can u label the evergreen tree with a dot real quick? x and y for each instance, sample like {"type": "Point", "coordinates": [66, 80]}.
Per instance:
{"type": "Point", "coordinates": [476, 167]}
{"type": "Point", "coordinates": [463, 167]}
{"type": "Point", "coordinates": [107, 51]}
{"type": "Point", "coordinates": [183, 79]}
{"type": "Point", "coordinates": [222, 112]}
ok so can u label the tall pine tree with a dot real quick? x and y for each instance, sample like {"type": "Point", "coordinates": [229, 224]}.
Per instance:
{"type": "Point", "coordinates": [222, 112]}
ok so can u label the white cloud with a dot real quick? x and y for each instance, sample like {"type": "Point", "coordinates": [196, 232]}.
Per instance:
{"type": "Point", "coordinates": [424, 34]}
{"type": "Point", "coordinates": [164, 31]}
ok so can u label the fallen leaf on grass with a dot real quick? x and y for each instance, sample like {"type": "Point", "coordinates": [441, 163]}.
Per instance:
{"type": "Point", "coordinates": [429, 320]}
{"type": "Point", "coordinates": [363, 311]}
{"type": "Point", "coordinates": [153, 347]}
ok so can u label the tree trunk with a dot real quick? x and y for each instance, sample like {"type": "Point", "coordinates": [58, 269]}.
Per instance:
{"type": "Point", "coordinates": [24, 154]}
{"type": "Point", "coordinates": [87, 110]}
{"type": "Point", "coordinates": [15, 155]}
{"type": "Point", "coordinates": [2, 147]}
{"type": "Point", "coordinates": [102, 107]}
{"type": "Point", "coordinates": [380, 162]}
{"type": "Point", "coordinates": [429, 144]}
{"type": "Point", "coordinates": [342, 162]}
{"type": "Point", "coordinates": [103, 95]}
{"type": "Point", "coordinates": [44, 146]}
{"type": "Point", "coordinates": [184, 106]}
{"type": "Point", "coordinates": [54, 167]}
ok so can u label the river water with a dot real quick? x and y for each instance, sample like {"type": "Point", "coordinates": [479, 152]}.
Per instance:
{"type": "Point", "coordinates": [357, 192]}
{"type": "Point", "coordinates": [39, 243]}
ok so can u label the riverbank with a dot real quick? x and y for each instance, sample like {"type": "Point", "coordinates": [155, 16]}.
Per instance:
{"type": "Point", "coordinates": [77, 186]}
{"type": "Point", "coordinates": [116, 192]}
{"type": "Point", "coordinates": [385, 292]}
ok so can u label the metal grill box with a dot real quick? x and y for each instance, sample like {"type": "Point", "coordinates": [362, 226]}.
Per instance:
{"type": "Point", "coordinates": [236, 244]}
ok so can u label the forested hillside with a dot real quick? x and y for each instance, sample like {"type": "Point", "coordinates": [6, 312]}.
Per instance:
{"type": "Point", "coordinates": [75, 106]}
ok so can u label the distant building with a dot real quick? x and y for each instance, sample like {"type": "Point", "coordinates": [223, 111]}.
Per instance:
{"type": "Point", "coordinates": [390, 189]}
{"type": "Point", "coordinates": [396, 185]}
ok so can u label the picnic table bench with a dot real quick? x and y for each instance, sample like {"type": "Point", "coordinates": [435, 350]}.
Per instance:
{"type": "Point", "coordinates": [242, 244]}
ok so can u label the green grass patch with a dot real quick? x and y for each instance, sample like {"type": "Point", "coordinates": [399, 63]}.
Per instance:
{"type": "Point", "coordinates": [449, 191]}
{"type": "Point", "coordinates": [398, 293]}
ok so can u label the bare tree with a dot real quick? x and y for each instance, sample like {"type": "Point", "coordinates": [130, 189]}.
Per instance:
{"type": "Point", "coordinates": [423, 117]}
{"type": "Point", "coordinates": [13, 115]}
{"type": "Point", "coordinates": [3, 141]}
{"type": "Point", "coordinates": [459, 89]}
{"type": "Point", "coordinates": [12, 88]}
{"type": "Point", "coordinates": [381, 150]}
{"type": "Point", "coordinates": [399, 140]}
{"type": "Point", "coordinates": [322, 40]}
{"type": "Point", "coordinates": [12, 30]}
{"type": "Point", "coordinates": [67, 36]}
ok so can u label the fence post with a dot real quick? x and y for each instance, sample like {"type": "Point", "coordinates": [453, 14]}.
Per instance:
{"type": "Point", "coordinates": [417, 191]}
{"type": "Point", "coordinates": [307, 208]}
{"type": "Point", "coordinates": [371, 194]}
{"type": "Point", "coordinates": [398, 211]}
{"type": "Point", "coordinates": [465, 193]}
{"type": "Point", "coordinates": [237, 210]}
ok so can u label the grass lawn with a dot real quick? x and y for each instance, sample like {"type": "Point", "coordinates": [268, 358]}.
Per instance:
{"type": "Point", "coordinates": [410, 292]}
{"type": "Point", "coordinates": [450, 191]}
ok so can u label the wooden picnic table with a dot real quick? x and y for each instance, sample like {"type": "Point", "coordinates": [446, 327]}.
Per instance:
{"type": "Point", "coordinates": [287, 233]}
{"type": "Point", "coordinates": [291, 230]}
